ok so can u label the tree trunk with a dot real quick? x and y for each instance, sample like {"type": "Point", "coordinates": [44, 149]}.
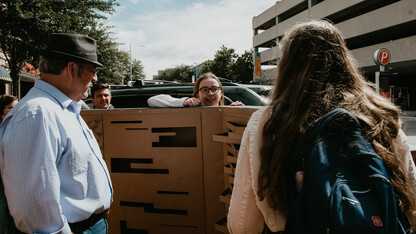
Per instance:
{"type": "Point", "coordinates": [14, 74]}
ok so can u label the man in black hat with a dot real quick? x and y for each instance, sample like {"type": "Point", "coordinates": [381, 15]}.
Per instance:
{"type": "Point", "coordinates": [54, 176]}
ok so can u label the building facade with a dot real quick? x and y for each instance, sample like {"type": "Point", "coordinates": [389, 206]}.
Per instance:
{"type": "Point", "coordinates": [366, 25]}
{"type": "Point", "coordinates": [27, 76]}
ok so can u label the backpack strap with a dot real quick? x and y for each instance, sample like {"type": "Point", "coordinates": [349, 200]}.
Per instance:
{"type": "Point", "coordinates": [327, 119]}
{"type": "Point", "coordinates": [317, 128]}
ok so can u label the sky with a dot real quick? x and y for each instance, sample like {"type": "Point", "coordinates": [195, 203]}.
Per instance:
{"type": "Point", "coordinates": [168, 33]}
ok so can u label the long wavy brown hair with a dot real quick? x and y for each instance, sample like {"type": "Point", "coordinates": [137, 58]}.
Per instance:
{"type": "Point", "coordinates": [317, 74]}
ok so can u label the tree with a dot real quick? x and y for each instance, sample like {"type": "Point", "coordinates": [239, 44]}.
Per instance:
{"type": "Point", "coordinates": [137, 70]}
{"type": "Point", "coordinates": [227, 64]}
{"type": "Point", "coordinates": [26, 24]}
{"type": "Point", "coordinates": [117, 68]}
{"type": "Point", "coordinates": [181, 73]}
{"type": "Point", "coordinates": [243, 68]}
{"type": "Point", "coordinates": [224, 59]}
{"type": "Point", "coordinates": [207, 67]}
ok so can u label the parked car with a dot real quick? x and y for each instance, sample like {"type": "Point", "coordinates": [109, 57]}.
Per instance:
{"type": "Point", "coordinates": [134, 97]}
{"type": "Point", "coordinates": [262, 90]}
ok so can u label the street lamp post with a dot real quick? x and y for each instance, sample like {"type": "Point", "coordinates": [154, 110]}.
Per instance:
{"type": "Point", "coordinates": [131, 66]}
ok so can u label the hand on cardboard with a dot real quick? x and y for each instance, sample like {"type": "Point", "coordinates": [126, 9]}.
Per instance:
{"type": "Point", "coordinates": [192, 102]}
{"type": "Point", "coordinates": [237, 103]}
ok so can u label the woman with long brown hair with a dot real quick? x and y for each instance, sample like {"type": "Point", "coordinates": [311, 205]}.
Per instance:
{"type": "Point", "coordinates": [316, 74]}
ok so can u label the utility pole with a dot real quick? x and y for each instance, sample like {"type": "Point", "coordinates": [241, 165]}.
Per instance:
{"type": "Point", "coordinates": [131, 66]}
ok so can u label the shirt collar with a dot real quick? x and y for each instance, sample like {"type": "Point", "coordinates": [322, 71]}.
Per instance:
{"type": "Point", "coordinates": [62, 99]}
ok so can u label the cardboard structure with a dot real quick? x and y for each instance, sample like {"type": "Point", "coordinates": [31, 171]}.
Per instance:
{"type": "Point", "coordinates": [169, 167]}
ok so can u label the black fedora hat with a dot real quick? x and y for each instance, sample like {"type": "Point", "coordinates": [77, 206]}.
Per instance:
{"type": "Point", "coordinates": [72, 46]}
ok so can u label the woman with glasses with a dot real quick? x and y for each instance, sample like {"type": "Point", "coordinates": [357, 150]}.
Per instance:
{"type": "Point", "coordinates": [208, 91]}
{"type": "Point", "coordinates": [7, 102]}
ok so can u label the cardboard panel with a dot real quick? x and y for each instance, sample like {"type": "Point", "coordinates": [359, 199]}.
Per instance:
{"type": "Point", "coordinates": [157, 163]}
{"type": "Point", "coordinates": [234, 123]}
{"type": "Point", "coordinates": [95, 122]}
{"type": "Point", "coordinates": [213, 163]}
{"type": "Point", "coordinates": [167, 166]}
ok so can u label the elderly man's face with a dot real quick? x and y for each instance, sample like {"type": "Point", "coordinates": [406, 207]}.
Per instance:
{"type": "Point", "coordinates": [102, 99]}
{"type": "Point", "coordinates": [83, 77]}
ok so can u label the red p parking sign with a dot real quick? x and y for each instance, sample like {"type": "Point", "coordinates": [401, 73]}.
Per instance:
{"type": "Point", "coordinates": [382, 57]}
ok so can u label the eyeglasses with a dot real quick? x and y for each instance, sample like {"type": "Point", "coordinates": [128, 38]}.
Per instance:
{"type": "Point", "coordinates": [213, 89]}
{"type": "Point", "coordinates": [94, 70]}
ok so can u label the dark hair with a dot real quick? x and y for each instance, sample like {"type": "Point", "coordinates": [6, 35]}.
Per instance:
{"type": "Point", "coordinates": [98, 86]}
{"type": "Point", "coordinates": [206, 76]}
{"type": "Point", "coordinates": [55, 66]}
{"type": "Point", "coordinates": [317, 74]}
{"type": "Point", "coordinates": [5, 100]}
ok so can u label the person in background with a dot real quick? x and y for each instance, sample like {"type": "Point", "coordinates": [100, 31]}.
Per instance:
{"type": "Point", "coordinates": [208, 91]}
{"type": "Point", "coordinates": [101, 96]}
{"type": "Point", "coordinates": [84, 106]}
{"type": "Point", "coordinates": [7, 102]}
{"type": "Point", "coordinates": [55, 178]}
{"type": "Point", "coordinates": [316, 74]}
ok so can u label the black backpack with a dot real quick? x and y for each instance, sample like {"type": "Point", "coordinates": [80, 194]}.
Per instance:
{"type": "Point", "coordinates": [345, 187]}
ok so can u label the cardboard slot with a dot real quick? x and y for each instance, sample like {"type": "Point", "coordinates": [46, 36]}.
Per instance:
{"type": "Point", "coordinates": [231, 179]}
{"type": "Point", "coordinates": [235, 128]}
{"type": "Point", "coordinates": [223, 137]}
{"type": "Point", "coordinates": [149, 208]}
{"type": "Point", "coordinates": [178, 226]}
{"type": "Point", "coordinates": [231, 159]}
{"type": "Point", "coordinates": [235, 135]}
{"type": "Point", "coordinates": [221, 225]}
{"type": "Point", "coordinates": [173, 192]}
{"type": "Point", "coordinates": [226, 196]}
{"type": "Point", "coordinates": [132, 165]}
{"type": "Point", "coordinates": [175, 137]}
{"type": "Point", "coordinates": [137, 129]}
{"type": "Point", "coordinates": [125, 229]}
{"type": "Point", "coordinates": [126, 122]}
{"type": "Point", "coordinates": [230, 148]}
{"type": "Point", "coordinates": [229, 168]}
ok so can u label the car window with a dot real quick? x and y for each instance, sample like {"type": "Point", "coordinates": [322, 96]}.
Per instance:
{"type": "Point", "coordinates": [137, 97]}
{"type": "Point", "coordinates": [130, 101]}
{"type": "Point", "coordinates": [244, 95]}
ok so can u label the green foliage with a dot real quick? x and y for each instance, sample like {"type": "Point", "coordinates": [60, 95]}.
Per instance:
{"type": "Point", "coordinates": [181, 73]}
{"type": "Point", "coordinates": [137, 70]}
{"type": "Point", "coordinates": [25, 26]}
{"type": "Point", "coordinates": [243, 68]}
{"type": "Point", "coordinates": [223, 62]}
{"type": "Point", "coordinates": [227, 64]}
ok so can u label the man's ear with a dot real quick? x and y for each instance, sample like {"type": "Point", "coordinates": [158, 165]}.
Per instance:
{"type": "Point", "coordinates": [72, 69]}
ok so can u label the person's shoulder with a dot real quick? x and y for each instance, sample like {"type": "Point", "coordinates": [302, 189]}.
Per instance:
{"type": "Point", "coordinates": [34, 105]}
{"type": "Point", "coordinates": [261, 113]}
{"type": "Point", "coordinates": [259, 117]}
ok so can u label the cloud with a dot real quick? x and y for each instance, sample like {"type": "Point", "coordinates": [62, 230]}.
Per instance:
{"type": "Point", "coordinates": [189, 34]}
